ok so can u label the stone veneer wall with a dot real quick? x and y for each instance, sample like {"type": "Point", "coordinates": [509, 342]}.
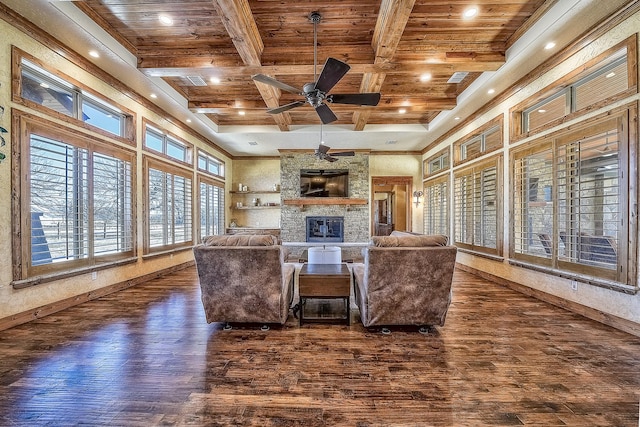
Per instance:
{"type": "Point", "coordinates": [356, 217]}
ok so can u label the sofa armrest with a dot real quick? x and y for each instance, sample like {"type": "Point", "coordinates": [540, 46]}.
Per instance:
{"type": "Point", "coordinates": [360, 289]}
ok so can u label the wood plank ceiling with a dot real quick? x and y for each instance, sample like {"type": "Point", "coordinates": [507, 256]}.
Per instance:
{"type": "Point", "coordinates": [405, 49]}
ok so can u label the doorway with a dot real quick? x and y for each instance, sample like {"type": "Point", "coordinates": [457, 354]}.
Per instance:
{"type": "Point", "coordinates": [390, 204]}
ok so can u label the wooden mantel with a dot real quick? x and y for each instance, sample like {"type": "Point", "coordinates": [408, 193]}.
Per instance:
{"type": "Point", "coordinates": [325, 201]}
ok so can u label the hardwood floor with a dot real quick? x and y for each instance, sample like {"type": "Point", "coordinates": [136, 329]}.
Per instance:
{"type": "Point", "coordinates": [145, 356]}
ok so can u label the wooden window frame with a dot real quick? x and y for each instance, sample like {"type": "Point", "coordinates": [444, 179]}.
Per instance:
{"type": "Point", "coordinates": [440, 155]}
{"type": "Point", "coordinates": [492, 162]}
{"type": "Point", "coordinates": [146, 124]}
{"type": "Point", "coordinates": [148, 163]}
{"type": "Point", "coordinates": [129, 135]}
{"type": "Point", "coordinates": [624, 277]}
{"type": "Point", "coordinates": [24, 274]}
{"type": "Point", "coordinates": [563, 84]}
{"type": "Point", "coordinates": [206, 171]}
{"type": "Point", "coordinates": [478, 133]}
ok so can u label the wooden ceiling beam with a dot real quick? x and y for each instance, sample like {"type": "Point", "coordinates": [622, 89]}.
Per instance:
{"type": "Point", "coordinates": [271, 96]}
{"type": "Point", "coordinates": [423, 103]}
{"type": "Point", "coordinates": [392, 20]}
{"type": "Point", "coordinates": [178, 67]}
{"type": "Point", "coordinates": [239, 22]}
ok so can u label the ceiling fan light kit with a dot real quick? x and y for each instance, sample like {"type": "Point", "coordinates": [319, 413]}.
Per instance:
{"type": "Point", "coordinates": [316, 93]}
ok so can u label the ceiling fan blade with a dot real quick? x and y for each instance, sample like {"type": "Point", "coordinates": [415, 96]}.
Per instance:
{"type": "Point", "coordinates": [330, 159]}
{"type": "Point", "coordinates": [344, 153]}
{"type": "Point", "coordinates": [331, 74]}
{"type": "Point", "coordinates": [323, 149]}
{"type": "Point", "coordinates": [355, 98]}
{"type": "Point", "coordinates": [273, 82]}
{"type": "Point", "coordinates": [286, 107]}
{"type": "Point", "coordinates": [325, 113]}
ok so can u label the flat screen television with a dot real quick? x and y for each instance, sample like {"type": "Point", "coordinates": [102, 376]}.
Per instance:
{"type": "Point", "coordinates": [324, 183]}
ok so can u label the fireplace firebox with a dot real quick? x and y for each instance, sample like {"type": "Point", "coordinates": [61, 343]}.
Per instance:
{"type": "Point", "coordinates": [325, 229]}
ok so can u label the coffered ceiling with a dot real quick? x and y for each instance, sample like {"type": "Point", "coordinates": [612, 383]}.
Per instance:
{"type": "Point", "coordinates": [421, 55]}
{"type": "Point", "coordinates": [406, 49]}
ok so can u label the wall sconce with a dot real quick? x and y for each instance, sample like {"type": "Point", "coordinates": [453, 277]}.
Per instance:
{"type": "Point", "coordinates": [416, 197]}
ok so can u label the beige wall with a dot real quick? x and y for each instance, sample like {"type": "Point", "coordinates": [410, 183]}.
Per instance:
{"type": "Point", "coordinates": [257, 175]}
{"type": "Point", "coordinates": [607, 301]}
{"type": "Point", "coordinates": [15, 301]}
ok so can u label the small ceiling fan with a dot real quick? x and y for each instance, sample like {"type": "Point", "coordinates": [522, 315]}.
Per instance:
{"type": "Point", "coordinates": [322, 153]}
{"type": "Point", "coordinates": [316, 93]}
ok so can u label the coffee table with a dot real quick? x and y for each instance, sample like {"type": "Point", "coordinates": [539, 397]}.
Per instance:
{"type": "Point", "coordinates": [325, 281]}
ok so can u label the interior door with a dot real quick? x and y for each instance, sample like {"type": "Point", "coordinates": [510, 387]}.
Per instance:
{"type": "Point", "coordinates": [390, 204]}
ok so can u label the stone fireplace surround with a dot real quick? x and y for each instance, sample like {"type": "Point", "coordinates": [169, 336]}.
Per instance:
{"type": "Point", "coordinates": [293, 218]}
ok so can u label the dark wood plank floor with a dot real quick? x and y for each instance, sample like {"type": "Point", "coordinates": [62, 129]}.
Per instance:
{"type": "Point", "coordinates": [145, 356]}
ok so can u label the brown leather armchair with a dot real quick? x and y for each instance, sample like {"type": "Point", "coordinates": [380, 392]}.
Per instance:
{"type": "Point", "coordinates": [244, 279]}
{"type": "Point", "coordinates": [405, 280]}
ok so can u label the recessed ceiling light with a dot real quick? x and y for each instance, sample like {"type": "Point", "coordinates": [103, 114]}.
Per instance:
{"type": "Point", "coordinates": [542, 110]}
{"type": "Point", "coordinates": [241, 112]}
{"type": "Point", "coordinates": [611, 74]}
{"type": "Point", "coordinates": [153, 95]}
{"type": "Point", "coordinates": [215, 80]}
{"type": "Point", "coordinates": [166, 19]}
{"type": "Point", "coordinates": [402, 110]}
{"type": "Point", "coordinates": [456, 118]}
{"type": "Point", "coordinates": [94, 53]}
{"type": "Point", "coordinates": [550, 45]}
{"type": "Point", "coordinates": [188, 120]}
{"type": "Point", "coordinates": [470, 13]}
{"type": "Point", "coordinates": [491, 91]}
{"type": "Point", "coordinates": [425, 77]}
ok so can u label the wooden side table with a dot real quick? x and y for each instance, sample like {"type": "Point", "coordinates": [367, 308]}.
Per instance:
{"type": "Point", "coordinates": [324, 281]}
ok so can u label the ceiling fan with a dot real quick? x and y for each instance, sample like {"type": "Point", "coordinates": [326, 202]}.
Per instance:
{"type": "Point", "coordinates": [316, 93]}
{"type": "Point", "coordinates": [322, 153]}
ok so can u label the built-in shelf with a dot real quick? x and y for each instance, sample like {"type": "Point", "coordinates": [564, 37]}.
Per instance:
{"type": "Point", "coordinates": [325, 201]}
{"type": "Point", "coordinates": [255, 192]}
{"type": "Point", "coordinates": [255, 207]}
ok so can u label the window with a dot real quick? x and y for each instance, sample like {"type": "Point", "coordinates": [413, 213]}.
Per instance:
{"type": "Point", "coordinates": [54, 93]}
{"type": "Point", "coordinates": [436, 163]}
{"type": "Point", "coordinates": [436, 206]}
{"type": "Point", "coordinates": [168, 206]}
{"type": "Point", "coordinates": [603, 80]}
{"type": "Point", "coordinates": [476, 207]}
{"type": "Point", "coordinates": [77, 204]}
{"type": "Point", "coordinates": [211, 208]}
{"type": "Point", "coordinates": [485, 140]}
{"type": "Point", "coordinates": [569, 213]}
{"type": "Point", "coordinates": [171, 147]}
{"type": "Point", "coordinates": [208, 163]}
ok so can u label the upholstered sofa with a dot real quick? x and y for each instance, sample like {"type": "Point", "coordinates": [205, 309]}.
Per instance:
{"type": "Point", "coordinates": [244, 279]}
{"type": "Point", "coordinates": [405, 280]}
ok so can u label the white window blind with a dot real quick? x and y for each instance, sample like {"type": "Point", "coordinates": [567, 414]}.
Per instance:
{"type": "Point", "coordinates": [112, 205]}
{"type": "Point", "coordinates": [476, 207]}
{"type": "Point", "coordinates": [59, 188]}
{"type": "Point", "coordinates": [169, 209]}
{"type": "Point", "coordinates": [533, 218]}
{"type": "Point", "coordinates": [211, 209]}
{"type": "Point", "coordinates": [80, 203]}
{"type": "Point", "coordinates": [589, 212]}
{"type": "Point", "coordinates": [436, 206]}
